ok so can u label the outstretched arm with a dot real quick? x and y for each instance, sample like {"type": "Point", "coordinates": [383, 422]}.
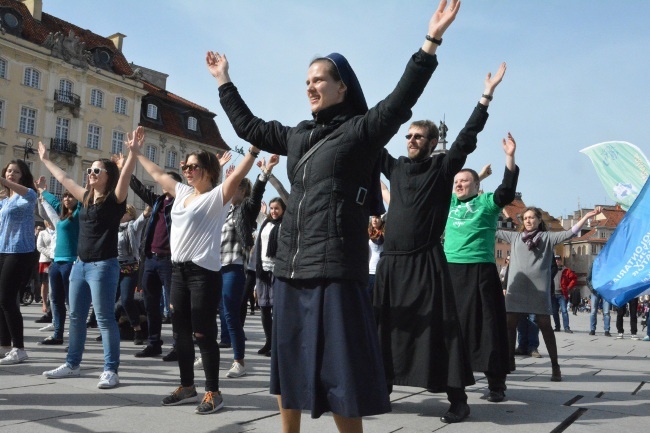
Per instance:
{"type": "Point", "coordinates": [505, 193]}
{"type": "Point", "coordinates": [385, 193]}
{"type": "Point", "coordinates": [122, 188]}
{"type": "Point", "coordinates": [232, 182]}
{"type": "Point", "coordinates": [68, 183]}
{"type": "Point", "coordinates": [157, 173]}
{"type": "Point", "coordinates": [576, 228]}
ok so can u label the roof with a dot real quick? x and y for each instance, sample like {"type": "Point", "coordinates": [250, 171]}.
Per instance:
{"type": "Point", "coordinates": [173, 113]}
{"type": "Point", "coordinates": [514, 209]}
{"type": "Point", "coordinates": [611, 218]}
{"type": "Point", "coordinates": [37, 31]}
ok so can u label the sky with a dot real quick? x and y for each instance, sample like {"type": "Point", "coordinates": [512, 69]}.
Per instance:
{"type": "Point", "coordinates": [577, 70]}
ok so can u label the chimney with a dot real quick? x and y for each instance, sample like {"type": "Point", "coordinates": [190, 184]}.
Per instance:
{"type": "Point", "coordinates": [117, 39]}
{"type": "Point", "coordinates": [35, 8]}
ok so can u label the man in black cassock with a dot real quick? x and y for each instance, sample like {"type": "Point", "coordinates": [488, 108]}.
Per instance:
{"type": "Point", "coordinates": [419, 332]}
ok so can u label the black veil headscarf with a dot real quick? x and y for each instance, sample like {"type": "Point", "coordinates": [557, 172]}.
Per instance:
{"type": "Point", "coordinates": [357, 102]}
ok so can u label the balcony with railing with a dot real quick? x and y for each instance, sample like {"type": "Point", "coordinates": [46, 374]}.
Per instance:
{"type": "Point", "coordinates": [63, 145]}
{"type": "Point", "coordinates": [66, 99]}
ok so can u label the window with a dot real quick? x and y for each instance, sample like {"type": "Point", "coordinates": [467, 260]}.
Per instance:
{"type": "Point", "coordinates": [152, 111]}
{"type": "Point", "coordinates": [65, 91]}
{"type": "Point", "coordinates": [32, 78]}
{"type": "Point", "coordinates": [62, 128]}
{"type": "Point", "coordinates": [55, 187]}
{"type": "Point", "coordinates": [499, 254]}
{"type": "Point", "coordinates": [191, 123]}
{"type": "Point", "coordinates": [3, 68]}
{"type": "Point", "coordinates": [171, 159]}
{"type": "Point", "coordinates": [2, 113]}
{"type": "Point", "coordinates": [27, 121]}
{"type": "Point", "coordinates": [94, 136]}
{"type": "Point", "coordinates": [151, 152]}
{"type": "Point", "coordinates": [603, 235]}
{"type": "Point", "coordinates": [97, 98]}
{"type": "Point", "coordinates": [117, 146]}
{"type": "Point", "coordinates": [120, 105]}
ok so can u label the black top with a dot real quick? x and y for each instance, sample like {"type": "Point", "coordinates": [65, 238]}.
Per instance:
{"type": "Point", "coordinates": [323, 232]}
{"type": "Point", "coordinates": [98, 228]}
{"type": "Point", "coordinates": [420, 192]}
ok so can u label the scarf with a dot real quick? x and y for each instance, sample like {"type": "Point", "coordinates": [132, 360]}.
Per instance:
{"type": "Point", "coordinates": [272, 246]}
{"type": "Point", "coordinates": [531, 238]}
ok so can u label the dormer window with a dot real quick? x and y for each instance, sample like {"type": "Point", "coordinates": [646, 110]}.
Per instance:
{"type": "Point", "coordinates": [192, 123]}
{"type": "Point", "coordinates": [152, 111]}
{"type": "Point", "coordinates": [103, 58]}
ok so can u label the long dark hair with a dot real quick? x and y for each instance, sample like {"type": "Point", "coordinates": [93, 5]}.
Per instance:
{"type": "Point", "coordinates": [65, 212]}
{"type": "Point", "coordinates": [209, 163]}
{"type": "Point", "coordinates": [538, 214]}
{"type": "Point", "coordinates": [282, 205]}
{"type": "Point", "coordinates": [374, 233]}
{"type": "Point", "coordinates": [113, 174]}
{"type": "Point", "coordinates": [26, 177]}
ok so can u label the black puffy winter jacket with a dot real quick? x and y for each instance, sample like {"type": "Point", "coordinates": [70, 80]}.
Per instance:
{"type": "Point", "coordinates": [324, 229]}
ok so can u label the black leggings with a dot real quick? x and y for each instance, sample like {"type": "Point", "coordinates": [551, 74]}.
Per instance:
{"type": "Point", "coordinates": [15, 270]}
{"type": "Point", "coordinates": [544, 323]}
{"type": "Point", "coordinates": [249, 289]}
{"type": "Point", "coordinates": [267, 324]}
{"type": "Point", "coordinates": [195, 296]}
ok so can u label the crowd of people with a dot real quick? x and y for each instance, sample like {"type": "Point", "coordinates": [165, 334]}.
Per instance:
{"type": "Point", "coordinates": [353, 299]}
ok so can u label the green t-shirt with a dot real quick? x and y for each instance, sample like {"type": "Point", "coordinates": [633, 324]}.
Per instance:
{"type": "Point", "coordinates": [471, 225]}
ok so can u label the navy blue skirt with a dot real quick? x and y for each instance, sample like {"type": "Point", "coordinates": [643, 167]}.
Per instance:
{"type": "Point", "coordinates": [325, 352]}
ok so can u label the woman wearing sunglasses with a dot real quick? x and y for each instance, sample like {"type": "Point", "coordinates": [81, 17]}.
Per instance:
{"type": "Point", "coordinates": [94, 275]}
{"type": "Point", "coordinates": [198, 214]}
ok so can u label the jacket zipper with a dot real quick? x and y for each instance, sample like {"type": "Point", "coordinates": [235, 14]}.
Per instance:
{"type": "Point", "coordinates": [304, 194]}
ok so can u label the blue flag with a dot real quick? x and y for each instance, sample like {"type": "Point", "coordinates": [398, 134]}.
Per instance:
{"type": "Point", "coordinates": [621, 272]}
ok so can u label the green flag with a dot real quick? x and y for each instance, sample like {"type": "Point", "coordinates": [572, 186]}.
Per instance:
{"type": "Point", "coordinates": [622, 169]}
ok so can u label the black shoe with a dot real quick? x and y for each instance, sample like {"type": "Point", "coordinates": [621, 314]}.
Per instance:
{"type": "Point", "coordinates": [521, 351]}
{"type": "Point", "coordinates": [167, 320]}
{"type": "Point", "coordinates": [172, 356]}
{"type": "Point", "coordinates": [51, 341]}
{"type": "Point", "coordinates": [91, 324]}
{"type": "Point", "coordinates": [496, 396]}
{"type": "Point", "coordinates": [149, 351]}
{"type": "Point", "coordinates": [266, 348]}
{"type": "Point", "coordinates": [607, 334]}
{"type": "Point", "coordinates": [557, 330]}
{"type": "Point", "coordinates": [98, 338]}
{"type": "Point", "coordinates": [138, 338]}
{"type": "Point", "coordinates": [45, 318]}
{"type": "Point", "coordinates": [568, 331]}
{"type": "Point", "coordinates": [592, 332]}
{"type": "Point", "coordinates": [456, 413]}
{"type": "Point", "coordinates": [225, 345]}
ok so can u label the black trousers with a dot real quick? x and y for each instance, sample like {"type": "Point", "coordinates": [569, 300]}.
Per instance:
{"type": "Point", "coordinates": [634, 304]}
{"type": "Point", "coordinates": [15, 270]}
{"type": "Point", "coordinates": [195, 297]}
{"type": "Point", "coordinates": [249, 288]}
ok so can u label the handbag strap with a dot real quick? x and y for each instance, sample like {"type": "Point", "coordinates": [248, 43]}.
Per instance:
{"type": "Point", "coordinates": [310, 152]}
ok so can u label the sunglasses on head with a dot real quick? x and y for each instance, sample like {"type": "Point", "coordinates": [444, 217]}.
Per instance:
{"type": "Point", "coordinates": [190, 167]}
{"type": "Point", "coordinates": [416, 136]}
{"type": "Point", "coordinates": [95, 170]}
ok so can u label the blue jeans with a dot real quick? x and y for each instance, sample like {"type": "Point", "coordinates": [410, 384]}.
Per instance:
{"type": "Point", "coordinates": [527, 333]}
{"type": "Point", "coordinates": [94, 282]}
{"type": "Point", "coordinates": [59, 289]}
{"type": "Point", "coordinates": [558, 303]}
{"type": "Point", "coordinates": [232, 296]}
{"type": "Point", "coordinates": [156, 280]}
{"type": "Point", "coordinates": [595, 300]}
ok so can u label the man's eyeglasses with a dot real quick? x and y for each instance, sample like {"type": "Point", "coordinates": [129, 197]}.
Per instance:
{"type": "Point", "coordinates": [416, 136]}
{"type": "Point", "coordinates": [190, 167]}
{"type": "Point", "coordinates": [94, 170]}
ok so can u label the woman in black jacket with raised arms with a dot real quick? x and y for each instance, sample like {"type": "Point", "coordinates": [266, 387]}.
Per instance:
{"type": "Point", "coordinates": [324, 354]}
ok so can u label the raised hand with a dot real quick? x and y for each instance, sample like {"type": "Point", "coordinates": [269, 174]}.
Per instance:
{"type": "Point", "coordinates": [40, 184]}
{"type": "Point", "coordinates": [263, 208]}
{"type": "Point", "coordinates": [509, 145]}
{"type": "Point", "coordinates": [42, 151]}
{"type": "Point", "coordinates": [262, 164]}
{"type": "Point", "coordinates": [485, 172]}
{"type": "Point", "coordinates": [230, 170]}
{"type": "Point", "coordinates": [147, 211]}
{"type": "Point", "coordinates": [135, 140]}
{"type": "Point", "coordinates": [443, 17]}
{"type": "Point", "coordinates": [594, 212]}
{"type": "Point", "coordinates": [118, 159]}
{"type": "Point", "coordinates": [218, 66]}
{"type": "Point", "coordinates": [223, 159]}
{"type": "Point", "coordinates": [273, 161]}
{"type": "Point", "coordinates": [491, 82]}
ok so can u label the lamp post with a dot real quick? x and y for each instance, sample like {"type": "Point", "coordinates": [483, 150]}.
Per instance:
{"type": "Point", "coordinates": [28, 148]}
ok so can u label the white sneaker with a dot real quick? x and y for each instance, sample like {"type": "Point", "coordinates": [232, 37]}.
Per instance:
{"type": "Point", "coordinates": [47, 328]}
{"type": "Point", "coordinates": [15, 356]}
{"type": "Point", "coordinates": [198, 363]}
{"type": "Point", "coordinates": [63, 372]}
{"type": "Point", "coordinates": [237, 370]}
{"type": "Point", "coordinates": [620, 336]}
{"type": "Point", "coordinates": [108, 380]}
{"type": "Point", "coordinates": [635, 337]}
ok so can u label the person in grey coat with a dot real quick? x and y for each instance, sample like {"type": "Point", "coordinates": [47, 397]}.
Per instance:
{"type": "Point", "coordinates": [529, 277]}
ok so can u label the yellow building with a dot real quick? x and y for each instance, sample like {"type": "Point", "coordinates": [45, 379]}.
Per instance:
{"type": "Point", "coordinates": [75, 91]}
